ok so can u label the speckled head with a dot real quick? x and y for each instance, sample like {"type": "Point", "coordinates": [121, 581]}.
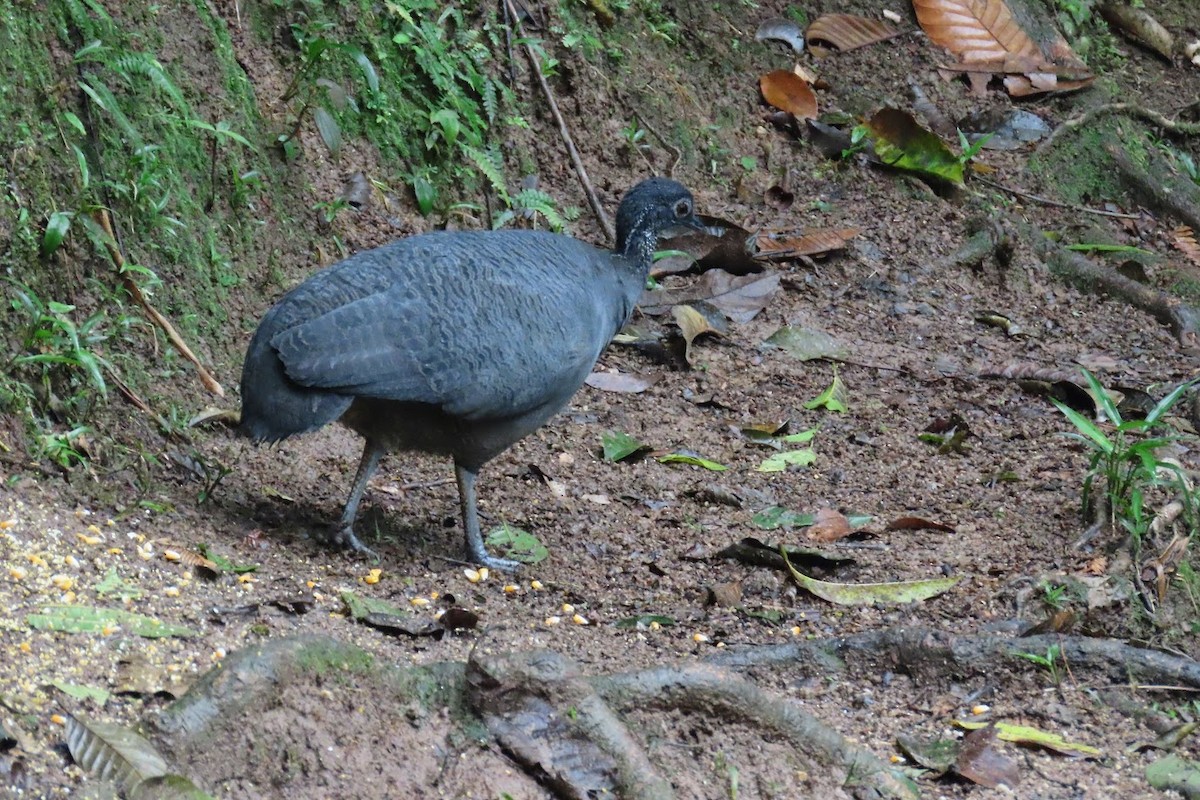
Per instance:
{"type": "Point", "coordinates": [648, 210]}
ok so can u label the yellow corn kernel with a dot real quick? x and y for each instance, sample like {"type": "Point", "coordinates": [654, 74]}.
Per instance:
{"type": "Point", "coordinates": [372, 577]}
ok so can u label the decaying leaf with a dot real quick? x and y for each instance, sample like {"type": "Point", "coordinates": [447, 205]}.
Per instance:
{"type": "Point", "coordinates": [692, 324]}
{"type": "Point", "coordinates": [829, 526]}
{"type": "Point", "coordinates": [517, 544]}
{"type": "Point", "coordinates": [775, 245]}
{"type": "Point", "coordinates": [113, 752]}
{"type": "Point", "coordinates": [989, 40]}
{"type": "Point", "coordinates": [739, 297]}
{"type": "Point", "coordinates": [692, 459]}
{"type": "Point", "coordinates": [1139, 25]}
{"type": "Point", "coordinates": [1184, 240]}
{"type": "Point", "coordinates": [981, 762]}
{"type": "Point", "coordinates": [782, 30]}
{"type": "Point", "coordinates": [902, 143]}
{"type": "Point", "coordinates": [789, 458]}
{"type": "Point", "coordinates": [862, 594]}
{"type": "Point", "coordinates": [846, 32]}
{"type": "Point", "coordinates": [834, 398]}
{"type": "Point", "coordinates": [787, 91]}
{"type": "Point", "coordinates": [916, 524]}
{"type": "Point", "coordinates": [625, 382]}
{"type": "Point", "coordinates": [808, 344]}
{"type": "Point", "coordinates": [721, 245]}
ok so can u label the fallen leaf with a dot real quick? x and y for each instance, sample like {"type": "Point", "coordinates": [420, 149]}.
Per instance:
{"type": "Point", "coordinates": [791, 458]}
{"type": "Point", "coordinates": [1185, 241]}
{"type": "Point", "coordinates": [979, 760]}
{"type": "Point", "coordinates": [847, 32]}
{"type": "Point", "coordinates": [721, 245]}
{"type": "Point", "coordinates": [901, 143]}
{"type": "Point", "coordinates": [739, 297]}
{"type": "Point", "coordinates": [618, 446]}
{"type": "Point", "coordinates": [787, 91]}
{"type": "Point", "coordinates": [692, 459]}
{"type": "Point", "coordinates": [916, 524]}
{"type": "Point", "coordinates": [623, 382]}
{"type": "Point", "coordinates": [1022, 734]}
{"type": "Point", "coordinates": [863, 594]}
{"type": "Point", "coordinates": [692, 324]}
{"type": "Point", "coordinates": [808, 344]}
{"type": "Point", "coordinates": [829, 526]}
{"type": "Point", "coordinates": [813, 243]}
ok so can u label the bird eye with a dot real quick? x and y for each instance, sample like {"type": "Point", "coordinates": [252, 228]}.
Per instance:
{"type": "Point", "coordinates": [683, 208]}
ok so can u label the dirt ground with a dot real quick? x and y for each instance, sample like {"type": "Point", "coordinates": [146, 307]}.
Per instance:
{"type": "Point", "coordinates": [637, 537]}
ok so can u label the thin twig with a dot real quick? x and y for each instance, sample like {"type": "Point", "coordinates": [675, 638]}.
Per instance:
{"type": "Point", "coordinates": [1046, 201]}
{"type": "Point", "coordinates": [1132, 109]}
{"type": "Point", "coordinates": [576, 161]}
{"type": "Point", "coordinates": [105, 221]}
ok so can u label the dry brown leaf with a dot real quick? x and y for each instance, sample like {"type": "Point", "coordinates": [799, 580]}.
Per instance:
{"type": "Point", "coordinates": [625, 382]}
{"type": "Point", "coordinates": [830, 526]}
{"type": "Point", "coordinates": [787, 91]}
{"type": "Point", "coordinates": [917, 524]}
{"type": "Point", "coordinates": [813, 243]}
{"type": "Point", "coordinates": [848, 31]}
{"type": "Point", "coordinates": [989, 40]}
{"type": "Point", "coordinates": [692, 324]}
{"type": "Point", "coordinates": [739, 297]}
{"type": "Point", "coordinates": [1185, 241]}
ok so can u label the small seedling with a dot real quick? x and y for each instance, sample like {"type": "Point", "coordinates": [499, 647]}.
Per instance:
{"type": "Point", "coordinates": [1049, 661]}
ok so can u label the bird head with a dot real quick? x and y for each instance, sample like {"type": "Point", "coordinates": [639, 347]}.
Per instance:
{"type": "Point", "coordinates": [655, 208]}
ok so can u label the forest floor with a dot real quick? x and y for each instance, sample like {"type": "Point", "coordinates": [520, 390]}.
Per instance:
{"type": "Point", "coordinates": [638, 538]}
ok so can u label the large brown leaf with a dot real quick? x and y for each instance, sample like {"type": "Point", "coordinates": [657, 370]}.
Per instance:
{"type": "Point", "coordinates": [847, 32]}
{"type": "Point", "coordinates": [988, 39]}
{"type": "Point", "coordinates": [787, 91]}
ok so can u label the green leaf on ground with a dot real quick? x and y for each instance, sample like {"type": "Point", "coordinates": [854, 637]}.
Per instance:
{"type": "Point", "coordinates": [517, 544]}
{"type": "Point", "coordinates": [694, 460]}
{"type": "Point", "coordinates": [833, 398]}
{"type": "Point", "coordinates": [618, 446]}
{"type": "Point", "coordinates": [902, 143]}
{"type": "Point", "coordinates": [90, 619]}
{"type": "Point", "coordinates": [80, 692]}
{"type": "Point", "coordinates": [117, 587]}
{"type": "Point", "coordinates": [1022, 734]}
{"type": "Point", "coordinates": [808, 344]}
{"type": "Point", "coordinates": [781, 461]}
{"type": "Point", "coordinates": [779, 517]}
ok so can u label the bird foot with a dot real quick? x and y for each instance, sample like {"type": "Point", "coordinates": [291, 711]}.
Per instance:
{"type": "Point", "coordinates": [484, 559]}
{"type": "Point", "coordinates": [344, 538]}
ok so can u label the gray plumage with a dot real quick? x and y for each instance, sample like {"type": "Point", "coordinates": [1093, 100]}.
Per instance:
{"type": "Point", "coordinates": [452, 343]}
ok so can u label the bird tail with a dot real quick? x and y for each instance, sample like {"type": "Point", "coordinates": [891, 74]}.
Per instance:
{"type": "Point", "coordinates": [273, 405]}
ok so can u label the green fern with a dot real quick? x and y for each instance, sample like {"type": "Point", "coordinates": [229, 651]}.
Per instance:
{"type": "Point", "coordinates": [489, 164]}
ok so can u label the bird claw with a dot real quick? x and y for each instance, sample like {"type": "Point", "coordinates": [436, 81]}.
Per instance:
{"type": "Point", "coordinates": [344, 538]}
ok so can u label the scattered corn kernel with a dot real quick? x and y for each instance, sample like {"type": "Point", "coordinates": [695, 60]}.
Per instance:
{"type": "Point", "coordinates": [110, 523]}
{"type": "Point", "coordinates": [980, 709]}
{"type": "Point", "coordinates": [58, 719]}
{"type": "Point", "coordinates": [419, 602]}
{"type": "Point", "coordinates": [311, 584]}
{"type": "Point", "coordinates": [895, 759]}
{"type": "Point", "coordinates": [145, 551]}
{"type": "Point", "coordinates": [93, 528]}
{"type": "Point", "coordinates": [172, 555]}
{"type": "Point", "coordinates": [25, 647]}
{"type": "Point", "coordinates": [567, 608]}
{"type": "Point", "coordinates": [536, 586]}
{"type": "Point", "coordinates": [83, 537]}
{"type": "Point", "coordinates": [63, 582]}
{"type": "Point", "coordinates": [579, 619]}
{"type": "Point", "coordinates": [71, 561]}
{"type": "Point", "coordinates": [476, 575]}
{"type": "Point", "coordinates": [654, 625]}
{"type": "Point", "coordinates": [109, 630]}
{"type": "Point", "coordinates": [218, 654]}
{"type": "Point", "coordinates": [372, 577]}
{"type": "Point", "coordinates": [114, 551]}
{"type": "Point", "coordinates": [796, 631]}
{"type": "Point", "coordinates": [6, 524]}
{"type": "Point", "coordinates": [36, 560]}
{"type": "Point", "coordinates": [553, 620]}
{"type": "Point", "coordinates": [17, 573]}
{"type": "Point", "coordinates": [171, 591]}
{"type": "Point", "coordinates": [510, 589]}
{"type": "Point", "coordinates": [439, 613]}
{"type": "Point", "coordinates": [246, 579]}
{"type": "Point", "coordinates": [699, 638]}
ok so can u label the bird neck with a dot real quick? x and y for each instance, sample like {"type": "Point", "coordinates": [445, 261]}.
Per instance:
{"type": "Point", "coordinates": [637, 245]}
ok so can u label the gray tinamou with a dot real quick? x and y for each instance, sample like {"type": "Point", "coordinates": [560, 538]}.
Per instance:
{"type": "Point", "coordinates": [454, 343]}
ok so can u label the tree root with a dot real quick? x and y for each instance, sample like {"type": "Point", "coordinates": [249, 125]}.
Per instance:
{"type": "Point", "coordinates": [1128, 109]}
{"type": "Point", "coordinates": [934, 654]}
{"type": "Point", "coordinates": [708, 688]}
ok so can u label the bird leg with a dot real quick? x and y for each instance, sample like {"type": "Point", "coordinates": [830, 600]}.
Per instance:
{"type": "Point", "coordinates": [344, 537]}
{"type": "Point", "coordinates": [475, 549]}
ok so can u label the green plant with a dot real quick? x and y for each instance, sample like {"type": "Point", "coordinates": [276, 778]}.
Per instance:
{"type": "Point", "coordinates": [318, 92]}
{"type": "Point", "coordinates": [63, 351]}
{"type": "Point", "coordinates": [60, 447]}
{"type": "Point", "coordinates": [634, 134]}
{"type": "Point", "coordinates": [1049, 661]}
{"type": "Point", "coordinates": [1124, 461]}
{"type": "Point", "coordinates": [1054, 594]}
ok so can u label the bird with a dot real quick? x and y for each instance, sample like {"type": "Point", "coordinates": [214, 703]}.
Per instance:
{"type": "Point", "coordinates": [452, 343]}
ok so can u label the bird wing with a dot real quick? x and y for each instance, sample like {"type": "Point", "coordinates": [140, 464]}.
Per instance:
{"type": "Point", "coordinates": [472, 330]}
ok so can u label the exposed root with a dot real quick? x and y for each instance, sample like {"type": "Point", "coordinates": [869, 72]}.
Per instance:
{"type": "Point", "coordinates": [1128, 109]}
{"type": "Point", "coordinates": [934, 654]}
{"type": "Point", "coordinates": [710, 689]}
